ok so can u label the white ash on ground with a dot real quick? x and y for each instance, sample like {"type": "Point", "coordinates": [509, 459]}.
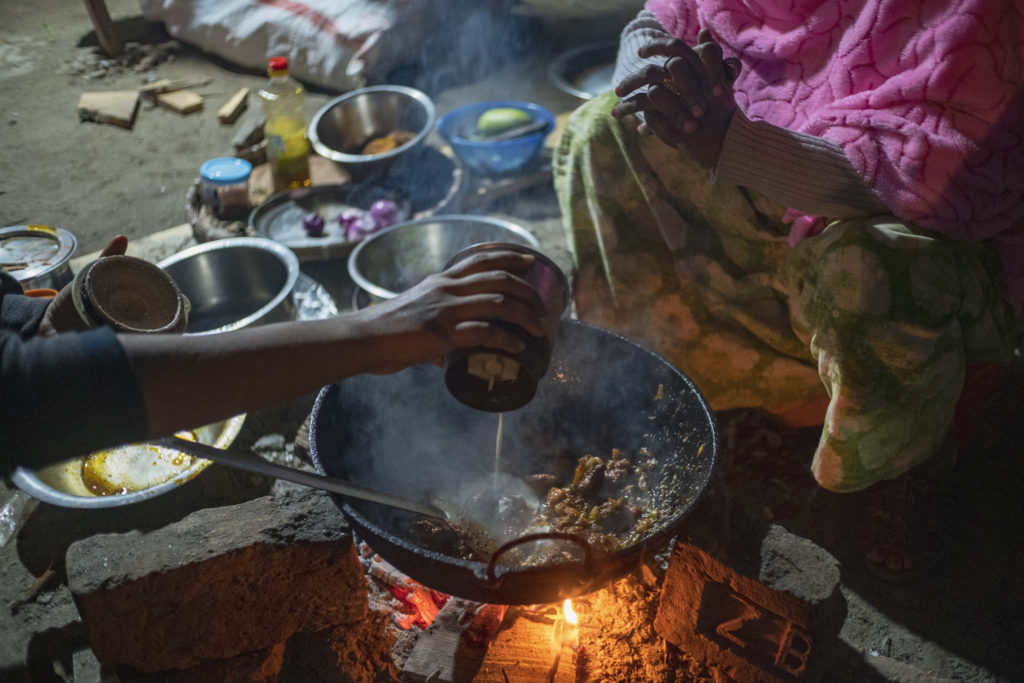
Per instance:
{"type": "Point", "coordinates": [91, 63]}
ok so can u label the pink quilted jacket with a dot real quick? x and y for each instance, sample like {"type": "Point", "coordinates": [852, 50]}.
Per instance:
{"type": "Point", "coordinates": [926, 97]}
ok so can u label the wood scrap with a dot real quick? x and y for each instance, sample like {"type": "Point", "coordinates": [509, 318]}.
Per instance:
{"type": "Point", "coordinates": [250, 130]}
{"type": "Point", "coordinates": [34, 590]}
{"type": "Point", "coordinates": [116, 107]}
{"type": "Point", "coordinates": [234, 107]}
{"type": "Point", "coordinates": [180, 101]}
{"type": "Point", "coordinates": [170, 85]}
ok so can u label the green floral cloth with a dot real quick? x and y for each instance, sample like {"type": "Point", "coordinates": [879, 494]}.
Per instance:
{"type": "Point", "coordinates": [877, 314]}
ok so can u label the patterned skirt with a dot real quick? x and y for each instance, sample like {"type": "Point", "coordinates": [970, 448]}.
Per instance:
{"type": "Point", "coordinates": [875, 317]}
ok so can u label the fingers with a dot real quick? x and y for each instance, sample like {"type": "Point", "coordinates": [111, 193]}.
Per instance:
{"type": "Point", "coordinates": [490, 308]}
{"type": "Point", "coordinates": [116, 247]}
{"type": "Point", "coordinates": [710, 54]}
{"type": "Point", "coordinates": [669, 48]}
{"type": "Point", "coordinates": [733, 67]}
{"type": "Point", "coordinates": [662, 127]}
{"type": "Point", "coordinates": [629, 105]}
{"type": "Point", "coordinates": [689, 83]}
{"type": "Point", "coordinates": [649, 75]}
{"type": "Point", "coordinates": [488, 294]}
{"type": "Point", "coordinates": [671, 108]}
{"type": "Point", "coordinates": [510, 261]}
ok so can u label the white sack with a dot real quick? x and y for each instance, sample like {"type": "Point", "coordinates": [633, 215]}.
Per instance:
{"type": "Point", "coordinates": [336, 44]}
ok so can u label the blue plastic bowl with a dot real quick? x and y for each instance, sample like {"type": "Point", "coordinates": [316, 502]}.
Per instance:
{"type": "Point", "coordinates": [493, 158]}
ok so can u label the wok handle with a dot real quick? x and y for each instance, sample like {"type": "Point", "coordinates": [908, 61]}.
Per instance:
{"type": "Point", "coordinates": [588, 555]}
{"type": "Point", "coordinates": [317, 481]}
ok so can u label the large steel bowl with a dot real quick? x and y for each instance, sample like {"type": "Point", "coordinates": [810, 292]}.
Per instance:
{"type": "Point", "coordinates": [235, 283]}
{"type": "Point", "coordinates": [341, 128]}
{"type": "Point", "coordinates": [389, 262]}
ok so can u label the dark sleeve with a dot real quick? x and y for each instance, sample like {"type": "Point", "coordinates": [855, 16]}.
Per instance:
{"type": "Point", "coordinates": [64, 395]}
{"type": "Point", "coordinates": [17, 312]}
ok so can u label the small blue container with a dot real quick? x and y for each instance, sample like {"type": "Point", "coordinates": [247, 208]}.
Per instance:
{"type": "Point", "coordinates": [224, 187]}
{"type": "Point", "coordinates": [493, 158]}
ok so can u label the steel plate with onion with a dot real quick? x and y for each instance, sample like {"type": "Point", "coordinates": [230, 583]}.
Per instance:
{"type": "Point", "coordinates": [424, 184]}
{"type": "Point", "coordinates": [406, 434]}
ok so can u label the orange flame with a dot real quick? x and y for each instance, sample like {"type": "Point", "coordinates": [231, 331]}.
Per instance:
{"type": "Point", "coordinates": [570, 613]}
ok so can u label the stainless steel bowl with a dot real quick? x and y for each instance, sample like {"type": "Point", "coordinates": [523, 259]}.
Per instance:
{"type": "Point", "coordinates": [585, 71]}
{"type": "Point", "coordinates": [341, 128]}
{"type": "Point", "coordinates": [235, 282]}
{"type": "Point", "coordinates": [394, 260]}
{"type": "Point", "coordinates": [37, 256]}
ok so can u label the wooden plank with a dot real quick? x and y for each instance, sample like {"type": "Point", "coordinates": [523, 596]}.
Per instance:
{"type": "Point", "coordinates": [455, 644]}
{"type": "Point", "coordinates": [117, 107]}
{"type": "Point", "coordinates": [107, 35]}
{"type": "Point", "coordinates": [181, 101]}
{"type": "Point", "coordinates": [169, 85]}
{"type": "Point", "coordinates": [233, 108]}
{"type": "Point", "coordinates": [523, 651]}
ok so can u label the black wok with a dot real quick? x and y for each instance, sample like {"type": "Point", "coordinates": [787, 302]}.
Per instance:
{"type": "Point", "coordinates": [405, 434]}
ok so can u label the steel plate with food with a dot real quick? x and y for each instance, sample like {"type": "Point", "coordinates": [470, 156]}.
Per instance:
{"type": "Point", "coordinates": [123, 475]}
{"type": "Point", "coordinates": [546, 502]}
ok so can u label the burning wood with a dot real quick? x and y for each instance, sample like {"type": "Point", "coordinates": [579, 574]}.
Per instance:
{"type": "Point", "coordinates": [564, 634]}
{"type": "Point", "coordinates": [421, 604]}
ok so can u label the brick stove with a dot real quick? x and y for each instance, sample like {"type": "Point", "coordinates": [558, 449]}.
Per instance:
{"type": "Point", "coordinates": [275, 589]}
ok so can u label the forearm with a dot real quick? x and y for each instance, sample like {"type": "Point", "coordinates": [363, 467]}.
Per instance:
{"type": "Point", "coordinates": [800, 171]}
{"type": "Point", "coordinates": [195, 380]}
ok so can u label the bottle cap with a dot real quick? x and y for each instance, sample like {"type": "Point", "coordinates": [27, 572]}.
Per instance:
{"type": "Point", "coordinates": [277, 65]}
{"type": "Point", "coordinates": [225, 171]}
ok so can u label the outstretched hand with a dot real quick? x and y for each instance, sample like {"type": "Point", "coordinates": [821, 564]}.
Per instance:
{"type": "Point", "coordinates": [60, 315]}
{"type": "Point", "coordinates": [688, 101]}
{"type": "Point", "coordinates": [456, 309]}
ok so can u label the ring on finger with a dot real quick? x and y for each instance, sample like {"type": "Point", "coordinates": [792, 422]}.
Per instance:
{"type": "Point", "coordinates": [667, 80]}
{"type": "Point", "coordinates": [670, 84]}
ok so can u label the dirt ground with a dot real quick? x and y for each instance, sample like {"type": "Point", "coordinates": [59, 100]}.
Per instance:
{"type": "Point", "coordinates": [962, 620]}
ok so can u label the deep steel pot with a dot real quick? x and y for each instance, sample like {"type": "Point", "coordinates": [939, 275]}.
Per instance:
{"type": "Point", "coordinates": [405, 433]}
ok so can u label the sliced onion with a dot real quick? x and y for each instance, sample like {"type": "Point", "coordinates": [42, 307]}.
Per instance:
{"type": "Point", "coordinates": [384, 212]}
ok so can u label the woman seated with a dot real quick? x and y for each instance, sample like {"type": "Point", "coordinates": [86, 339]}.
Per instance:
{"type": "Point", "coordinates": [816, 208]}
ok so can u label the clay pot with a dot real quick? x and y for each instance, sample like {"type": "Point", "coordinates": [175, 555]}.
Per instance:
{"type": "Point", "coordinates": [129, 294]}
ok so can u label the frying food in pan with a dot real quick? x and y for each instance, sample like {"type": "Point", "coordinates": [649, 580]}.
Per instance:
{"type": "Point", "coordinates": [605, 502]}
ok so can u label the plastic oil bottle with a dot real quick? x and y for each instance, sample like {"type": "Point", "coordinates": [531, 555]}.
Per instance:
{"type": "Point", "coordinates": [283, 101]}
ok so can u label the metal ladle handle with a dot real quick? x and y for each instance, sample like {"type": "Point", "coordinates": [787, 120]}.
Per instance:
{"type": "Point", "coordinates": [317, 481]}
